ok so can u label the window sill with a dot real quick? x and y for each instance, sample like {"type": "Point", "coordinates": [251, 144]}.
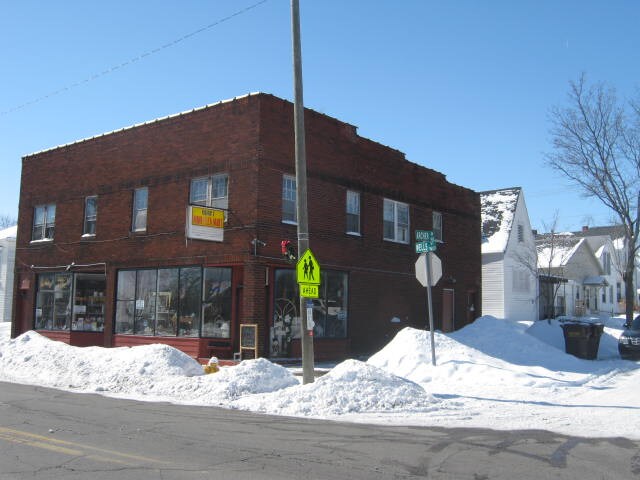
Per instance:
{"type": "Point", "coordinates": [354, 234]}
{"type": "Point", "coordinates": [42, 240]}
{"type": "Point", "coordinates": [289, 222]}
{"type": "Point", "coordinates": [395, 241]}
{"type": "Point", "coordinates": [88, 235]}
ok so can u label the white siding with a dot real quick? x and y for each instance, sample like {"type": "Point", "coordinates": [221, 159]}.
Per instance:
{"type": "Point", "coordinates": [493, 285]}
{"type": "Point", "coordinates": [521, 259]}
{"type": "Point", "coordinates": [7, 260]}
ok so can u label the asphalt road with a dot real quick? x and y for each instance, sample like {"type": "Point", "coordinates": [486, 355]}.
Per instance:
{"type": "Point", "coordinates": [50, 434]}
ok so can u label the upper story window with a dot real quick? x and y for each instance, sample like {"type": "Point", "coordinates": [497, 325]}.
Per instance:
{"type": "Point", "coordinates": [353, 212]}
{"type": "Point", "coordinates": [90, 215]}
{"type": "Point", "coordinates": [289, 213]}
{"type": "Point", "coordinates": [396, 221]}
{"type": "Point", "coordinates": [437, 226]}
{"type": "Point", "coordinates": [210, 191]}
{"type": "Point", "coordinates": [139, 214]}
{"type": "Point", "coordinates": [44, 222]}
{"type": "Point", "coordinates": [520, 233]}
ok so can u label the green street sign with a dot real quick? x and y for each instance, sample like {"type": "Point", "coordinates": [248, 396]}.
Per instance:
{"type": "Point", "coordinates": [425, 247]}
{"type": "Point", "coordinates": [425, 235]}
{"type": "Point", "coordinates": [425, 241]}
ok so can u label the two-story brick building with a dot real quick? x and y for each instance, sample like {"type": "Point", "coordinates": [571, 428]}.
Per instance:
{"type": "Point", "coordinates": [170, 231]}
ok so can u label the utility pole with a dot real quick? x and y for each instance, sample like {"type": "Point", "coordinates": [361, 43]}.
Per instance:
{"type": "Point", "coordinates": [301, 185]}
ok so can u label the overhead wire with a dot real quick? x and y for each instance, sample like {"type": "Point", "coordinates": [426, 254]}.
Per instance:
{"type": "Point", "coordinates": [133, 60]}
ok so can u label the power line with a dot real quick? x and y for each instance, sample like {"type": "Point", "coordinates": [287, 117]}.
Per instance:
{"type": "Point", "coordinates": [134, 59]}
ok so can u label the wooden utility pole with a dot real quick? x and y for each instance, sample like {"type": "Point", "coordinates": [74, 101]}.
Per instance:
{"type": "Point", "coordinates": [301, 186]}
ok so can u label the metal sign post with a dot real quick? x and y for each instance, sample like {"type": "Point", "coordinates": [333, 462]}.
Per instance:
{"type": "Point", "coordinates": [428, 272]}
{"type": "Point", "coordinates": [430, 308]}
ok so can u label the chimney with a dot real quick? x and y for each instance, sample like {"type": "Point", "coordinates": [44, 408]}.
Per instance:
{"type": "Point", "coordinates": [585, 228]}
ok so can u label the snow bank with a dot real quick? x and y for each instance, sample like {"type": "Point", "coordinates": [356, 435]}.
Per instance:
{"type": "Point", "coordinates": [350, 387]}
{"type": "Point", "coordinates": [492, 373]}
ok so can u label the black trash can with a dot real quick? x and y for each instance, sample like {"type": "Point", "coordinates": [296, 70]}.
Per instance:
{"type": "Point", "coordinates": [582, 339]}
{"type": "Point", "coordinates": [593, 342]}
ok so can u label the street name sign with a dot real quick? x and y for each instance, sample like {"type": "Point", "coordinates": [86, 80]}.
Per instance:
{"type": "Point", "coordinates": [425, 241]}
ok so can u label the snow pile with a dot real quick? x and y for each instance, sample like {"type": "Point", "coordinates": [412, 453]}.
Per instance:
{"type": "Point", "coordinates": [350, 387]}
{"type": "Point", "coordinates": [155, 371]}
{"type": "Point", "coordinates": [493, 373]}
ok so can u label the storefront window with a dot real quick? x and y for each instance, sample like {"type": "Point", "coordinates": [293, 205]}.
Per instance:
{"type": "Point", "coordinates": [125, 301]}
{"type": "Point", "coordinates": [167, 302]}
{"type": "Point", "coordinates": [216, 304]}
{"type": "Point", "coordinates": [329, 311]}
{"type": "Point", "coordinates": [162, 302]}
{"type": "Point", "coordinates": [53, 301]}
{"type": "Point", "coordinates": [88, 306]}
{"type": "Point", "coordinates": [145, 302]}
{"type": "Point", "coordinates": [190, 293]}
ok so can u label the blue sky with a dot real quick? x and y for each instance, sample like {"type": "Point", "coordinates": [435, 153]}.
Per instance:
{"type": "Point", "coordinates": [463, 87]}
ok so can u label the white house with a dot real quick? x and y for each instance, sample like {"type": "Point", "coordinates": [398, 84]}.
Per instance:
{"type": "Point", "coordinates": [509, 264]}
{"type": "Point", "coordinates": [572, 279]}
{"type": "Point", "coordinates": [7, 261]}
{"type": "Point", "coordinates": [610, 247]}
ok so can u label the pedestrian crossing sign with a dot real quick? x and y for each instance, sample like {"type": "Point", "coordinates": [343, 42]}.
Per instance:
{"type": "Point", "coordinates": [308, 269]}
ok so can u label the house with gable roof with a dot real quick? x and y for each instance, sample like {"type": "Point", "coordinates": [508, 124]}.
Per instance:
{"type": "Point", "coordinates": [571, 278]}
{"type": "Point", "coordinates": [509, 265]}
{"type": "Point", "coordinates": [609, 246]}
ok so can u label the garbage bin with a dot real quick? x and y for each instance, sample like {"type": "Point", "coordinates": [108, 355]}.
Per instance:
{"type": "Point", "coordinates": [593, 342]}
{"type": "Point", "coordinates": [582, 339]}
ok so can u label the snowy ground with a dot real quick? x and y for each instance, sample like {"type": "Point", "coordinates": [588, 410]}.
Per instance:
{"type": "Point", "coordinates": [493, 373]}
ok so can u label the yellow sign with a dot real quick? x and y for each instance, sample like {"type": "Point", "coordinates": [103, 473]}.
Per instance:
{"type": "Point", "coordinates": [309, 291]}
{"type": "Point", "coordinates": [308, 269]}
{"type": "Point", "coordinates": [207, 217]}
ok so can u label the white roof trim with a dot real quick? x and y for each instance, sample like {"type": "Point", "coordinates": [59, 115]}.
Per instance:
{"type": "Point", "coordinates": [143, 123]}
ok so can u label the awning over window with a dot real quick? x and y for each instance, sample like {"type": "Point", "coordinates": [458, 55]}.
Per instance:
{"type": "Point", "coordinates": [596, 281]}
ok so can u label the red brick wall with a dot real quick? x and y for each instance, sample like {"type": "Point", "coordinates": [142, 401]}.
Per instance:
{"type": "Point", "coordinates": [251, 139]}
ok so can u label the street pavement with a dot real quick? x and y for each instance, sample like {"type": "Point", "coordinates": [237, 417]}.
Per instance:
{"type": "Point", "coordinates": [51, 434]}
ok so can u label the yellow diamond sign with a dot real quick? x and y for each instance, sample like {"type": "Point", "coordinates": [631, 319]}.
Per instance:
{"type": "Point", "coordinates": [308, 269]}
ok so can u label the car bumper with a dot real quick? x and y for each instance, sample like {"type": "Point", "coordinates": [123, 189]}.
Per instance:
{"type": "Point", "coordinates": [629, 352]}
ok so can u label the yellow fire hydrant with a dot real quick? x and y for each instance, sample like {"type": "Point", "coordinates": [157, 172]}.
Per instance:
{"type": "Point", "coordinates": [212, 366]}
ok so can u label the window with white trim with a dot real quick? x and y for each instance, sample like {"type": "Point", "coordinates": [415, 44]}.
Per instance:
{"type": "Point", "coordinates": [289, 213]}
{"type": "Point", "coordinates": [90, 215]}
{"type": "Point", "coordinates": [139, 215]}
{"type": "Point", "coordinates": [44, 222]}
{"type": "Point", "coordinates": [211, 191]}
{"type": "Point", "coordinates": [353, 212]}
{"type": "Point", "coordinates": [395, 221]}
{"type": "Point", "coordinates": [437, 226]}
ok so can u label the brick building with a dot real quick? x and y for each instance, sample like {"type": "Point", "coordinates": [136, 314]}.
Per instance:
{"type": "Point", "coordinates": [170, 231]}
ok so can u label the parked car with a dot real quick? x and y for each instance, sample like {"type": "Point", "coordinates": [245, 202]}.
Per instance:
{"type": "Point", "coordinates": [629, 341]}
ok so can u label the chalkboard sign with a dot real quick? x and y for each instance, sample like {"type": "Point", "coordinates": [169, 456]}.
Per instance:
{"type": "Point", "coordinates": [249, 338]}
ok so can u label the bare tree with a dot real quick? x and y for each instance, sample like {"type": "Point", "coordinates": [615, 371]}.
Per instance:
{"type": "Point", "coordinates": [7, 221]}
{"type": "Point", "coordinates": [596, 144]}
{"type": "Point", "coordinates": [552, 250]}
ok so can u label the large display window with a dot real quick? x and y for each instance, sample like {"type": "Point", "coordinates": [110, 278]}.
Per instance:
{"type": "Point", "coordinates": [68, 301]}
{"type": "Point", "coordinates": [173, 301]}
{"type": "Point", "coordinates": [329, 310]}
{"type": "Point", "coordinates": [216, 303]}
